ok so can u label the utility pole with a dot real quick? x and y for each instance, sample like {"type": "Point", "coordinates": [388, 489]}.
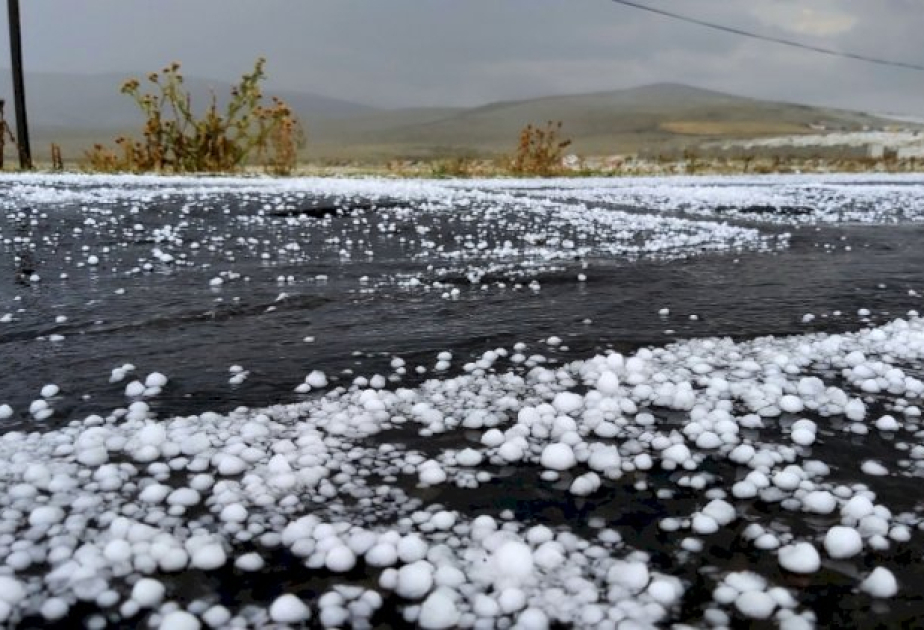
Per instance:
{"type": "Point", "coordinates": [19, 86]}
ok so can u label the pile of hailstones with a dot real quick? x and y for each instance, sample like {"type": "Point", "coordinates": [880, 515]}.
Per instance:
{"type": "Point", "coordinates": [105, 510]}
{"type": "Point", "coordinates": [838, 201]}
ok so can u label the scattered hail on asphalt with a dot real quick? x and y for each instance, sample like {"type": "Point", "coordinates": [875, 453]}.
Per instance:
{"type": "Point", "coordinates": [155, 519]}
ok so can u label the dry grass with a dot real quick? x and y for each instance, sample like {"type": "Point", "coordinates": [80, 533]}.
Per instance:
{"type": "Point", "coordinates": [174, 139]}
{"type": "Point", "coordinates": [539, 150]}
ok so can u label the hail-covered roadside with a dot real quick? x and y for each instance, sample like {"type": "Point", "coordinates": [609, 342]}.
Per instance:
{"type": "Point", "coordinates": [705, 481]}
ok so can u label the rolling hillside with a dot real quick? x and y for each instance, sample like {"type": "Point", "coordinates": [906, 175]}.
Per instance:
{"type": "Point", "coordinates": [625, 121]}
{"type": "Point", "coordinates": [76, 111]}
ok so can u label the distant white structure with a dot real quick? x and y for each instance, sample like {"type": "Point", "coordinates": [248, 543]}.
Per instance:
{"type": "Point", "coordinates": [905, 144]}
{"type": "Point", "coordinates": [571, 161]}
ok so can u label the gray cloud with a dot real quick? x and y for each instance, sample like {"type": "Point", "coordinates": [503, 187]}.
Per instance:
{"type": "Point", "coordinates": [464, 52]}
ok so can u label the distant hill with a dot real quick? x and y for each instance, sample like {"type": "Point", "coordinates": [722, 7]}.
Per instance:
{"type": "Point", "coordinates": [84, 102]}
{"type": "Point", "coordinates": [647, 118]}
{"type": "Point", "coordinates": [77, 111]}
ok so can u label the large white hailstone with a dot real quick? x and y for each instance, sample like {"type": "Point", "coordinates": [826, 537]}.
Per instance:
{"type": "Point", "coordinates": [810, 387]}
{"type": "Point", "coordinates": [443, 520]}
{"type": "Point", "coordinates": [93, 456]}
{"type": "Point", "coordinates": [231, 465]}
{"type": "Point", "coordinates": [568, 402]}
{"type": "Point", "coordinates": [118, 551]}
{"type": "Point", "coordinates": [511, 599]}
{"type": "Point", "coordinates": [855, 410]}
{"type": "Point", "coordinates": [665, 591]}
{"type": "Point", "coordinates": [512, 561]}
{"type": "Point", "coordinates": [154, 493]}
{"type": "Point", "coordinates": [677, 453]}
{"type": "Point", "coordinates": [510, 451]}
{"type": "Point", "coordinates": [743, 581]}
{"type": "Point", "coordinates": [11, 590]}
{"type": "Point", "coordinates": [233, 513]}
{"type": "Point", "coordinates": [791, 404]}
{"type": "Point", "coordinates": [608, 384]}
{"type": "Point", "coordinates": [843, 542]}
{"type": "Point", "coordinates": [819, 502]}
{"type": "Point", "coordinates": [532, 619]}
{"type": "Point", "coordinates": [173, 560]}
{"type": "Point", "coordinates": [468, 457]}
{"type": "Point", "coordinates": [887, 423]}
{"type": "Point", "coordinates": [722, 511]}
{"type": "Point", "coordinates": [439, 611]}
{"type": "Point", "coordinates": [148, 593]}
{"type": "Point", "coordinates": [209, 556]}
{"type": "Point", "coordinates": [585, 485]}
{"type": "Point", "coordinates": [340, 559]}
{"type": "Point", "coordinates": [874, 468]}
{"type": "Point", "coordinates": [155, 379]}
{"type": "Point", "coordinates": [800, 557]}
{"type": "Point", "coordinates": [787, 479]}
{"type": "Point", "coordinates": [557, 457]}
{"type": "Point", "coordinates": [45, 516]}
{"type": "Point", "coordinates": [857, 507]}
{"type": "Point", "coordinates": [708, 440]}
{"type": "Point", "coordinates": [289, 609]}
{"type": "Point", "coordinates": [381, 555]}
{"type": "Point", "coordinates": [217, 616]}
{"type": "Point", "coordinates": [249, 562]}
{"type": "Point", "coordinates": [450, 576]}
{"type": "Point", "coordinates": [492, 438]}
{"type": "Point", "coordinates": [704, 525]}
{"type": "Point", "coordinates": [431, 474]}
{"type": "Point", "coordinates": [633, 576]}
{"type": "Point", "coordinates": [549, 555]}
{"type": "Point", "coordinates": [316, 379]}
{"type": "Point", "coordinates": [485, 606]}
{"type": "Point", "coordinates": [54, 608]}
{"type": "Point", "coordinates": [134, 389]}
{"type": "Point", "coordinates": [37, 407]}
{"type": "Point", "coordinates": [152, 434]}
{"type": "Point", "coordinates": [880, 583]}
{"type": "Point", "coordinates": [803, 437]}
{"type": "Point", "coordinates": [605, 459]}
{"type": "Point", "coordinates": [184, 496]}
{"type": "Point", "coordinates": [414, 580]}
{"type": "Point", "coordinates": [179, 620]}
{"type": "Point", "coordinates": [755, 604]}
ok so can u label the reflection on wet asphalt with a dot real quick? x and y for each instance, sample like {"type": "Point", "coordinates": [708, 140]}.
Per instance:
{"type": "Point", "coordinates": [170, 320]}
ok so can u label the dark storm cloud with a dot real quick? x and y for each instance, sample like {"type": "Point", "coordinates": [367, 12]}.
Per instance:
{"type": "Point", "coordinates": [444, 52]}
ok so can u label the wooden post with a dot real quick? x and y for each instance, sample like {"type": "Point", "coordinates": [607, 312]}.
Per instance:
{"type": "Point", "coordinates": [2, 132]}
{"type": "Point", "coordinates": [57, 162]}
{"type": "Point", "coordinates": [19, 87]}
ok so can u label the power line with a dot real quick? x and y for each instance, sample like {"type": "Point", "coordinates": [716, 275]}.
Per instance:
{"type": "Point", "coordinates": [775, 40]}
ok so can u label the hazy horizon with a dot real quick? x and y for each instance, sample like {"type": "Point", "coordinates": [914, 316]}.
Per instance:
{"type": "Point", "coordinates": [429, 53]}
{"type": "Point", "coordinates": [117, 77]}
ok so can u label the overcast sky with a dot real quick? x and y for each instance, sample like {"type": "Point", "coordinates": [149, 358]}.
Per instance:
{"type": "Point", "coordinates": [397, 53]}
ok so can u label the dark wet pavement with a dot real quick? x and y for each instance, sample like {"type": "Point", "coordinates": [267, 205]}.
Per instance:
{"type": "Point", "coordinates": [170, 320]}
